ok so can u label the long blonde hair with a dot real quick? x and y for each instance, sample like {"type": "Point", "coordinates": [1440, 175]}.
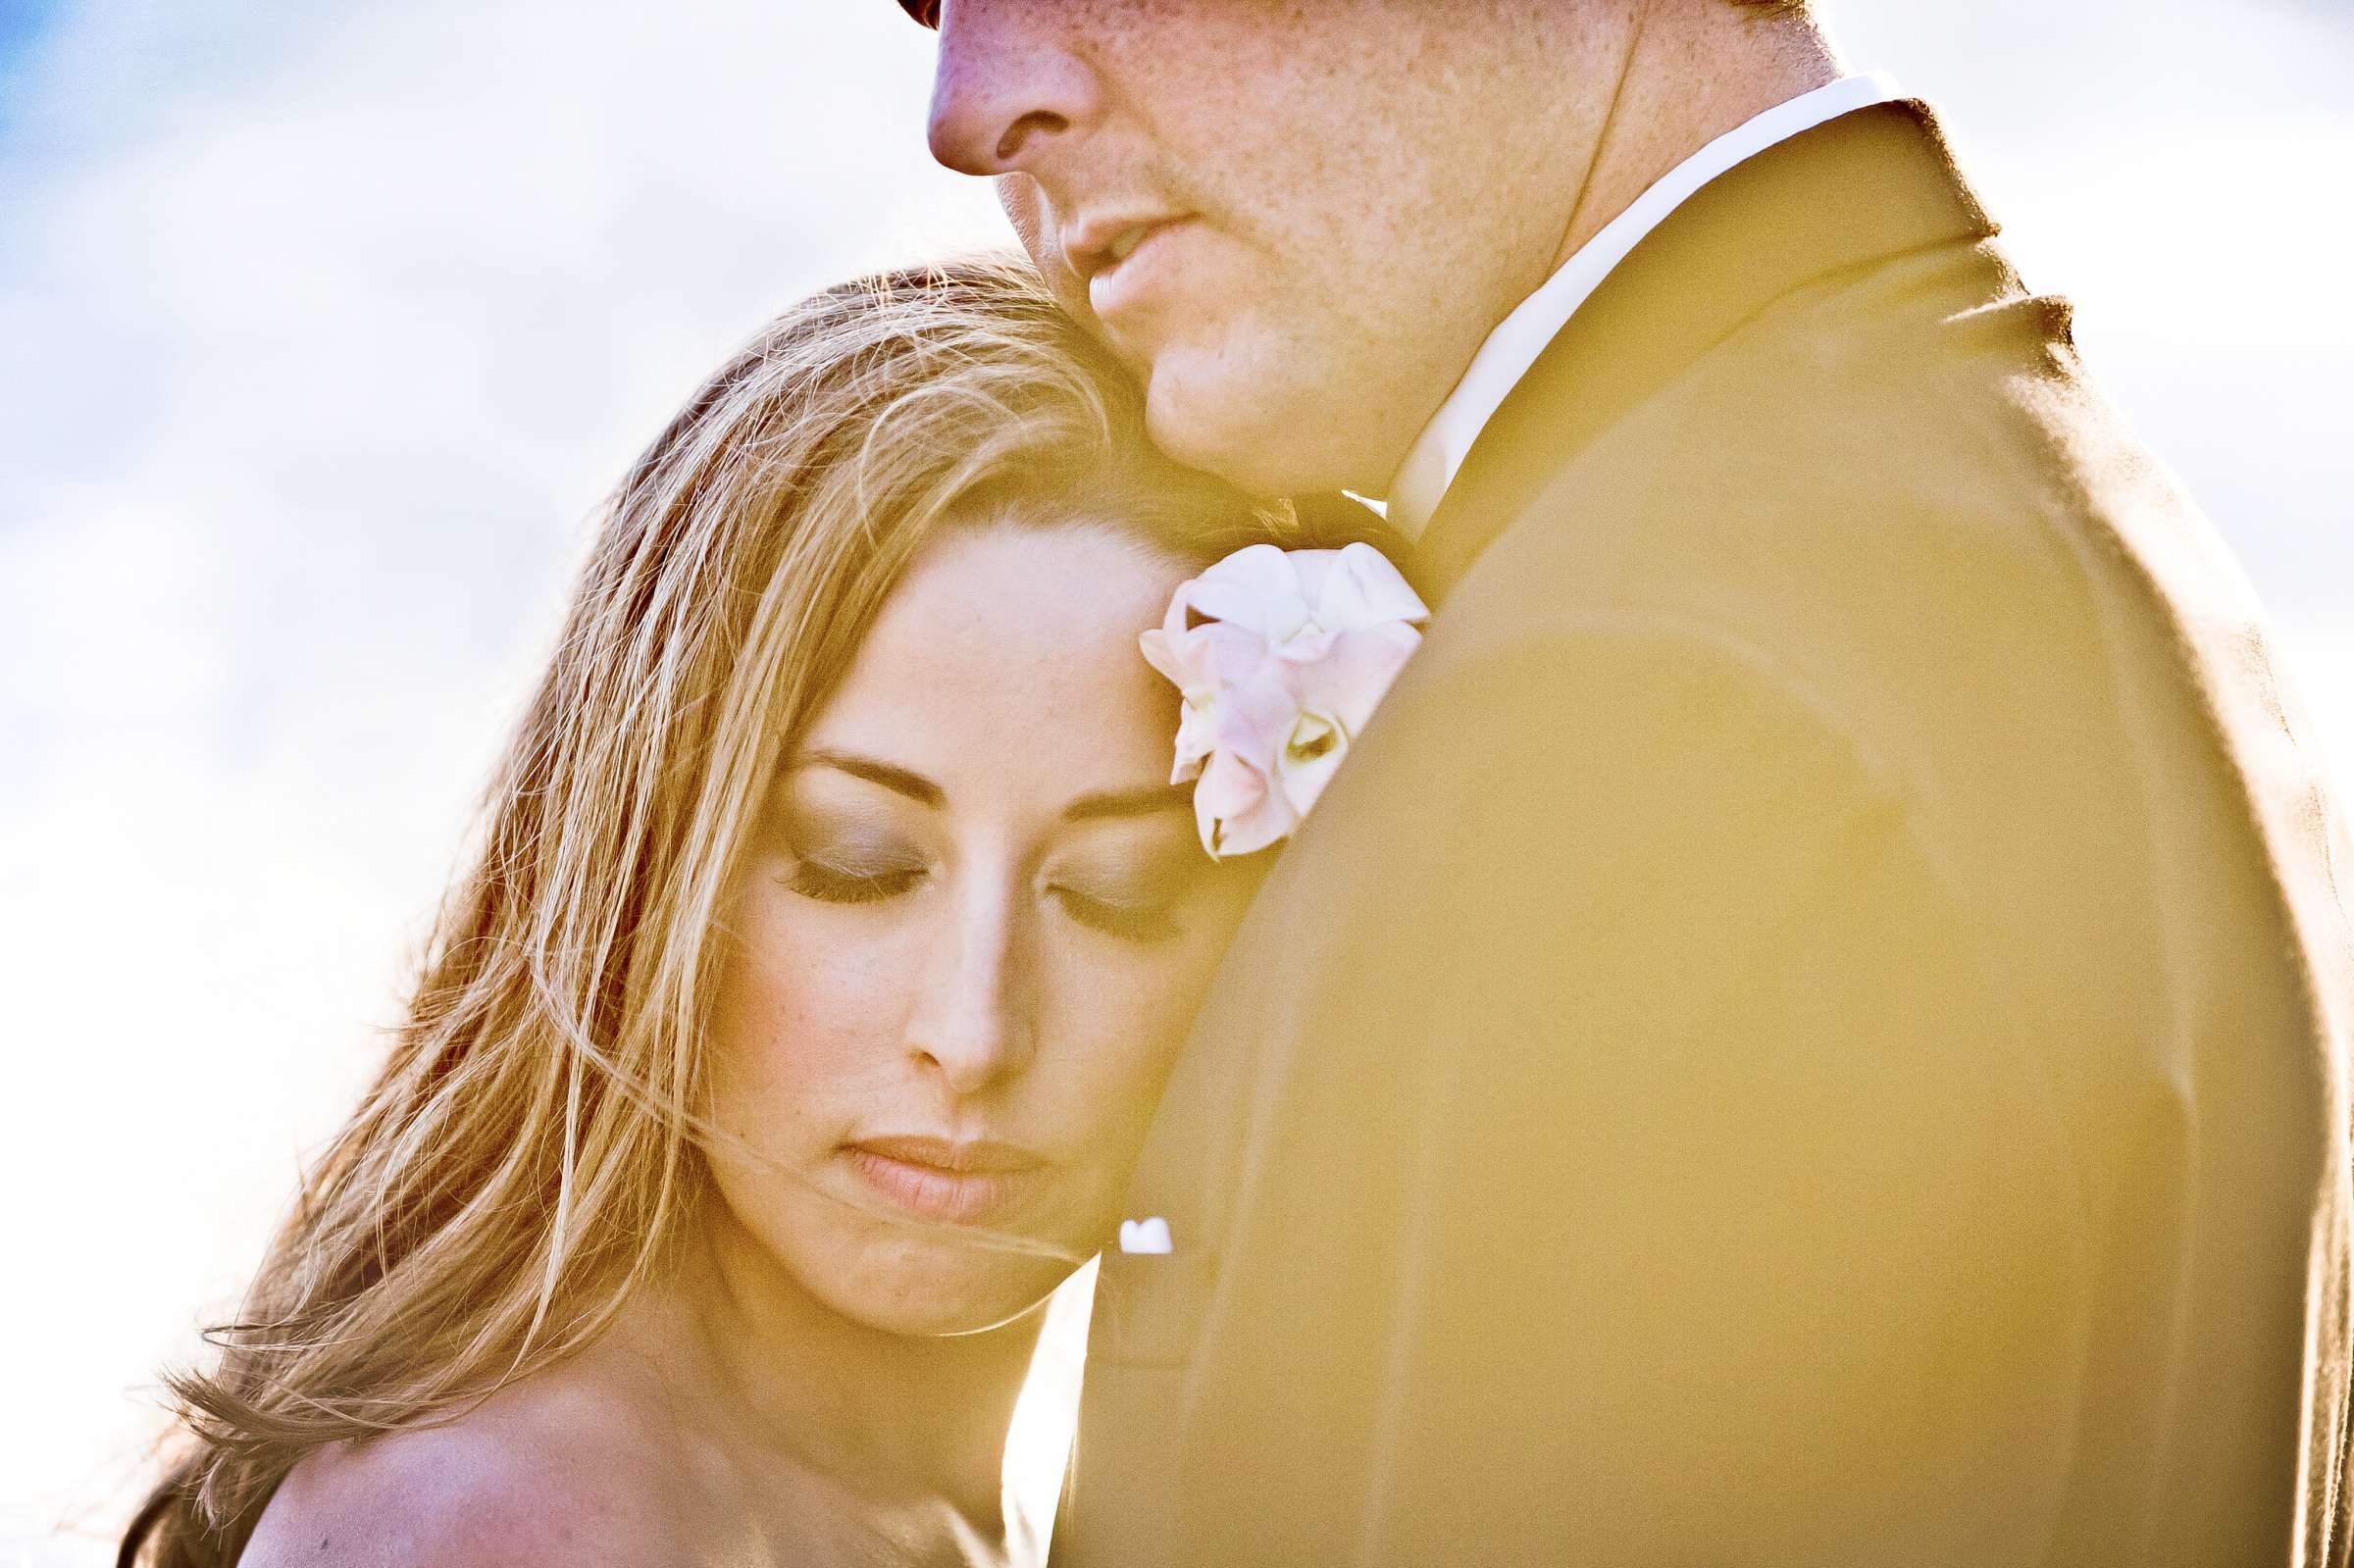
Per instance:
{"type": "Point", "coordinates": [530, 1152]}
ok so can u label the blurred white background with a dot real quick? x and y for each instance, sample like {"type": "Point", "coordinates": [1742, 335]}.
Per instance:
{"type": "Point", "coordinates": [324, 328]}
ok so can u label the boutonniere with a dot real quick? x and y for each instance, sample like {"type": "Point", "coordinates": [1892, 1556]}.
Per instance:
{"type": "Point", "coordinates": [1281, 656]}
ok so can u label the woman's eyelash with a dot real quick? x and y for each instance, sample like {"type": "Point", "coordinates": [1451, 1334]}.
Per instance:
{"type": "Point", "coordinates": [1144, 918]}
{"type": "Point", "coordinates": [836, 884]}
{"type": "Point", "coordinates": [1147, 922]}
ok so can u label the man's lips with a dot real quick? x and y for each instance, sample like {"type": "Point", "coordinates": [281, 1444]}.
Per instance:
{"type": "Point", "coordinates": [947, 1179]}
{"type": "Point", "coordinates": [1133, 267]}
{"type": "Point", "coordinates": [1103, 240]}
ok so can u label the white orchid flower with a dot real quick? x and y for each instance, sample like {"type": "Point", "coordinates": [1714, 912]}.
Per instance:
{"type": "Point", "coordinates": [1292, 652]}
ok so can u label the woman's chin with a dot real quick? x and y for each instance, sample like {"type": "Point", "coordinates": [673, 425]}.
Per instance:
{"type": "Point", "coordinates": [939, 1291]}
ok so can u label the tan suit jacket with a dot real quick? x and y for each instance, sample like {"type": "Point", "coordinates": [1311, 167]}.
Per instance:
{"type": "Point", "coordinates": [1813, 1029]}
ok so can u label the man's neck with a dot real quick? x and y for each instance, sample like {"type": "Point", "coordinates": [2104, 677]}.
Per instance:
{"type": "Point", "coordinates": [1692, 74]}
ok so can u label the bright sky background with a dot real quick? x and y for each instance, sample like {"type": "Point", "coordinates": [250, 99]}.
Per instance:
{"type": "Point", "coordinates": [324, 328]}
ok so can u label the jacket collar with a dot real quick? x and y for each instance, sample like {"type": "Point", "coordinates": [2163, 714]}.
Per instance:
{"type": "Point", "coordinates": [1862, 188]}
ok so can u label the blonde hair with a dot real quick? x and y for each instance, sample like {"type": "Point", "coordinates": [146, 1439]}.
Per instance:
{"type": "Point", "coordinates": [529, 1150]}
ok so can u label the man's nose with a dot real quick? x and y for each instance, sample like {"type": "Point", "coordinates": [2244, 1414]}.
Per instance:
{"type": "Point", "coordinates": [1007, 91]}
{"type": "Point", "coordinates": [972, 1025]}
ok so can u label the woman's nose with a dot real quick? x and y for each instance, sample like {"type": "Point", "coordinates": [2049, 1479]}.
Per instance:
{"type": "Point", "coordinates": [972, 1025]}
{"type": "Point", "coordinates": [1006, 92]}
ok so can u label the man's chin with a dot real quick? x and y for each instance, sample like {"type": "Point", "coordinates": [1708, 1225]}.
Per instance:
{"type": "Point", "coordinates": [1228, 425]}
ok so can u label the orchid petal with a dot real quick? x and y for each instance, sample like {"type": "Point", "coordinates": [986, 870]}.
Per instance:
{"type": "Point", "coordinates": [1304, 647]}
{"type": "Point", "coordinates": [1255, 589]}
{"type": "Point", "coordinates": [1222, 655]}
{"type": "Point", "coordinates": [1160, 653]}
{"type": "Point", "coordinates": [1235, 810]}
{"type": "Point", "coordinates": [1269, 823]}
{"type": "Point", "coordinates": [1350, 683]}
{"type": "Point", "coordinates": [1309, 759]}
{"type": "Point", "coordinates": [1197, 739]}
{"type": "Point", "coordinates": [1313, 569]}
{"type": "Point", "coordinates": [1362, 589]}
{"type": "Point", "coordinates": [1229, 786]}
{"type": "Point", "coordinates": [1253, 720]}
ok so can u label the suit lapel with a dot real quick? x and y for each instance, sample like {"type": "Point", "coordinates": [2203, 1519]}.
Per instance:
{"type": "Point", "coordinates": [1853, 190]}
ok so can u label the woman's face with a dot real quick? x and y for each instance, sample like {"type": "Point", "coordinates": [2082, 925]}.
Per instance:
{"type": "Point", "coordinates": [972, 925]}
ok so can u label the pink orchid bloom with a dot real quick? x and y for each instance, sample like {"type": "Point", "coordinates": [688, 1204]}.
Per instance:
{"type": "Point", "coordinates": [1293, 651]}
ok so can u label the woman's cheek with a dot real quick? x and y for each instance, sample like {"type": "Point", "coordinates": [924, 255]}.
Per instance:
{"type": "Point", "coordinates": [1146, 1012]}
{"type": "Point", "coordinates": [1164, 999]}
{"type": "Point", "coordinates": [795, 1033]}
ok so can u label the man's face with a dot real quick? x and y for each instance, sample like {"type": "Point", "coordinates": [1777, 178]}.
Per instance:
{"type": "Point", "coordinates": [1295, 222]}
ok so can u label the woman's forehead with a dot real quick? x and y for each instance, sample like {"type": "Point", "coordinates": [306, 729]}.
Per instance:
{"type": "Point", "coordinates": [1007, 659]}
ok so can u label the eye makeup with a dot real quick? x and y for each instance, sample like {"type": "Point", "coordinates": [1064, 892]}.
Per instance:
{"type": "Point", "coordinates": [1131, 892]}
{"type": "Point", "coordinates": [849, 856]}
{"type": "Point", "coordinates": [1123, 873]}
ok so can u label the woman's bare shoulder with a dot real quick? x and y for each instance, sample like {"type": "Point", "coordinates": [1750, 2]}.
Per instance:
{"type": "Point", "coordinates": [541, 1473]}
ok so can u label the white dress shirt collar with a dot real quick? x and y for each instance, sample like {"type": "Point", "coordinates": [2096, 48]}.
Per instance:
{"type": "Point", "coordinates": [1438, 454]}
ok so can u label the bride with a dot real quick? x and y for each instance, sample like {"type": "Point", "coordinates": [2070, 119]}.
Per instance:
{"type": "Point", "coordinates": [789, 1036]}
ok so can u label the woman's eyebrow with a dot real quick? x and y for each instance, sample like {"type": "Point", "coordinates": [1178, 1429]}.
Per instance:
{"type": "Point", "coordinates": [1141, 801]}
{"type": "Point", "coordinates": [914, 786]}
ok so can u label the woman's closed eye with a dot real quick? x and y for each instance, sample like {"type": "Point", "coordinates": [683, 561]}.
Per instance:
{"type": "Point", "coordinates": [855, 875]}
{"type": "Point", "coordinates": [1135, 904]}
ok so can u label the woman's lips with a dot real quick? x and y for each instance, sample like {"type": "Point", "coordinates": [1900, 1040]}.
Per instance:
{"type": "Point", "coordinates": [947, 1182]}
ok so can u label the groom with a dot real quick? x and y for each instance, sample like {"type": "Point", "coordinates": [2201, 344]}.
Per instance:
{"type": "Point", "coordinates": [1813, 1028]}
